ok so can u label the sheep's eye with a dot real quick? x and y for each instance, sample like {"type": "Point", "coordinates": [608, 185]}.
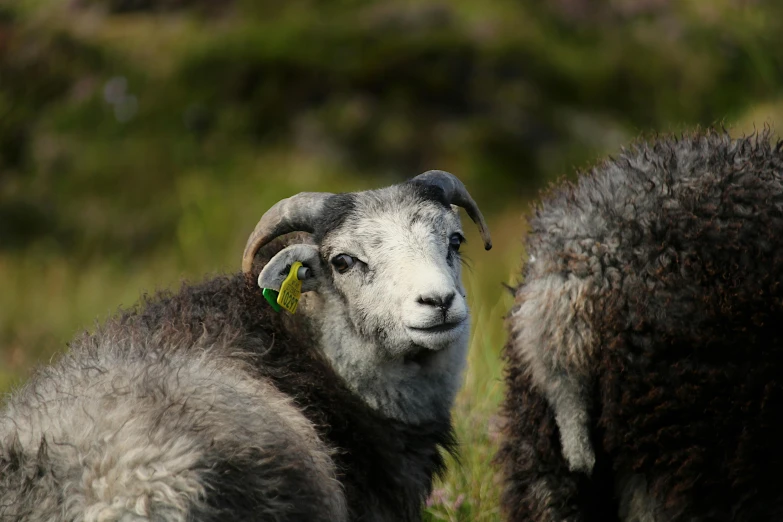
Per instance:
{"type": "Point", "coordinates": [343, 262]}
{"type": "Point", "coordinates": [455, 241]}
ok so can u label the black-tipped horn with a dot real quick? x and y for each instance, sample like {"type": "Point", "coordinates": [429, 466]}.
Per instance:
{"type": "Point", "coordinates": [457, 194]}
{"type": "Point", "coordinates": [298, 213]}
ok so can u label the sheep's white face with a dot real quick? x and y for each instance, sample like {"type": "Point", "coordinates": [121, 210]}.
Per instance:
{"type": "Point", "coordinates": [395, 264]}
{"type": "Point", "coordinates": [387, 296]}
{"type": "Point", "coordinates": [393, 280]}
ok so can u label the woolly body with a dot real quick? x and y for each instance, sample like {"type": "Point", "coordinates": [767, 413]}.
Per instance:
{"type": "Point", "coordinates": [644, 352]}
{"type": "Point", "coordinates": [207, 405]}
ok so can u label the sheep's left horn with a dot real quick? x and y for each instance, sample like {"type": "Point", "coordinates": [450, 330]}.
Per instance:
{"type": "Point", "coordinates": [299, 213]}
{"type": "Point", "coordinates": [457, 194]}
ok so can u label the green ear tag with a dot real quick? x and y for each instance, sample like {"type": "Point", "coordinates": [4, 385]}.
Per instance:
{"type": "Point", "coordinates": [291, 289]}
{"type": "Point", "coordinates": [271, 298]}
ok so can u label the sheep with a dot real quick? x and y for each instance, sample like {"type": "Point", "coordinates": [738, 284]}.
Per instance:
{"type": "Point", "coordinates": [207, 404]}
{"type": "Point", "coordinates": [644, 353]}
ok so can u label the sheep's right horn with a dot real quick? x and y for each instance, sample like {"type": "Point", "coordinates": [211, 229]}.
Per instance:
{"type": "Point", "coordinates": [457, 194]}
{"type": "Point", "coordinates": [298, 213]}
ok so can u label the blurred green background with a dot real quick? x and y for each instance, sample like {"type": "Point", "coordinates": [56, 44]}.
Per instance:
{"type": "Point", "coordinates": [140, 140]}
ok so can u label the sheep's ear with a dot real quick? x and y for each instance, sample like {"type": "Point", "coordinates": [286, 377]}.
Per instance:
{"type": "Point", "coordinates": [276, 270]}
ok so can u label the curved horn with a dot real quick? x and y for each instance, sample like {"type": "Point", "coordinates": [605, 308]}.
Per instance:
{"type": "Point", "coordinates": [298, 213]}
{"type": "Point", "coordinates": [457, 194]}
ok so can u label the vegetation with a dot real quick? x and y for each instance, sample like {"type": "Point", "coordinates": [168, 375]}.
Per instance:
{"type": "Point", "coordinates": [140, 140]}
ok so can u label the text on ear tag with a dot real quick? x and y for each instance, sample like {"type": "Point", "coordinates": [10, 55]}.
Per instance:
{"type": "Point", "coordinates": [291, 289]}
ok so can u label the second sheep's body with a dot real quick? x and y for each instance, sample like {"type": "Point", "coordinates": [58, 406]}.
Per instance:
{"type": "Point", "coordinates": [646, 346]}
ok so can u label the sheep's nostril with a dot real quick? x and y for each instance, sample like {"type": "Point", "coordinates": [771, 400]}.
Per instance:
{"type": "Point", "coordinates": [431, 301]}
{"type": "Point", "coordinates": [442, 301]}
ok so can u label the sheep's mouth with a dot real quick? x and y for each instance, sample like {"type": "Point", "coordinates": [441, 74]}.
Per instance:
{"type": "Point", "coordinates": [444, 327]}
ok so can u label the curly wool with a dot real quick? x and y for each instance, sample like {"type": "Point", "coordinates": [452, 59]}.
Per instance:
{"type": "Point", "coordinates": [651, 306]}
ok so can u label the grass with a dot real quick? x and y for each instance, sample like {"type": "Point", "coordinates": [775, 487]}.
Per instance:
{"type": "Point", "coordinates": [469, 491]}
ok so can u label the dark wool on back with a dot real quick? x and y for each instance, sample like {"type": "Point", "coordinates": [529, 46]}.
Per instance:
{"type": "Point", "coordinates": [645, 348]}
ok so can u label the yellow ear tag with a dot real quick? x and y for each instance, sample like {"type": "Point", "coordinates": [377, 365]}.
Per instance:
{"type": "Point", "coordinates": [291, 289]}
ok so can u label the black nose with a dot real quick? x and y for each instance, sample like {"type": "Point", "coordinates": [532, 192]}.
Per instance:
{"type": "Point", "coordinates": [442, 301]}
